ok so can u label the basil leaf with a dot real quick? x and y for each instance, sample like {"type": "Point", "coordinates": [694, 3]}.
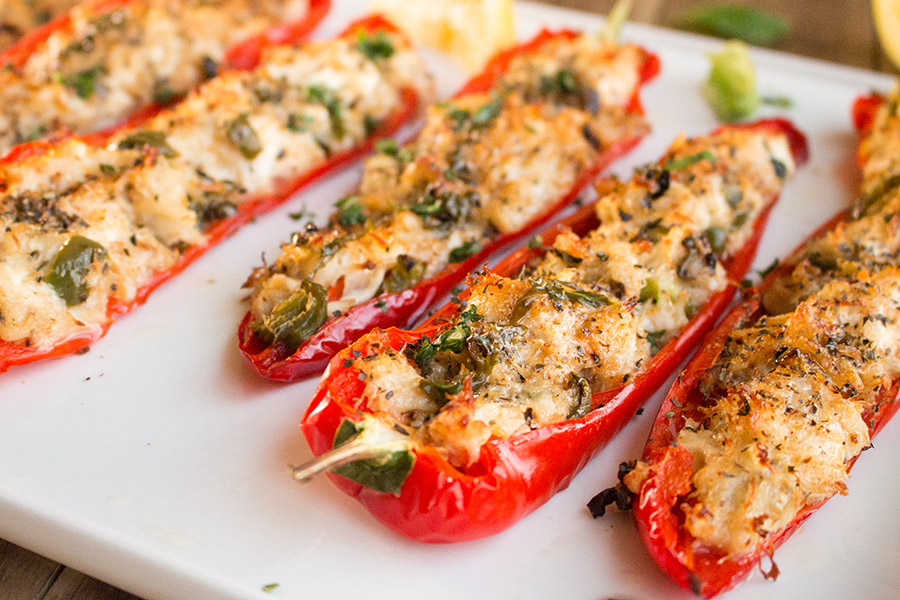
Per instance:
{"type": "Point", "coordinates": [350, 211]}
{"type": "Point", "coordinates": [744, 23]}
{"type": "Point", "coordinates": [384, 474]}
{"type": "Point", "coordinates": [71, 267]}
{"type": "Point", "coordinates": [374, 46]}
{"type": "Point", "coordinates": [463, 252]}
{"type": "Point", "coordinates": [685, 161]}
{"type": "Point", "coordinates": [84, 82]}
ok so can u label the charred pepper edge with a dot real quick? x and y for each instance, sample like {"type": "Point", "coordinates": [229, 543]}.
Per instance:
{"type": "Point", "coordinates": [407, 306]}
{"type": "Point", "coordinates": [13, 354]}
{"type": "Point", "coordinates": [439, 503]}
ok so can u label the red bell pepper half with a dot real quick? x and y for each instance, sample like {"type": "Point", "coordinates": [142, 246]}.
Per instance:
{"type": "Point", "coordinates": [708, 573]}
{"type": "Point", "coordinates": [12, 354]}
{"type": "Point", "coordinates": [408, 306]}
{"type": "Point", "coordinates": [244, 55]}
{"type": "Point", "coordinates": [437, 502]}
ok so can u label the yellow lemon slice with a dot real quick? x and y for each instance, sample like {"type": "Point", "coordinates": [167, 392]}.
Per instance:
{"type": "Point", "coordinates": [887, 23]}
{"type": "Point", "coordinates": [471, 31]}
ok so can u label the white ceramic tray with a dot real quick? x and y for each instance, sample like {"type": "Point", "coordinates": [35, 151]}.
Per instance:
{"type": "Point", "coordinates": [158, 461]}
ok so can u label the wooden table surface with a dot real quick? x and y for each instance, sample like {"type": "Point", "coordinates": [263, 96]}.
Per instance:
{"type": "Point", "coordinates": [836, 30]}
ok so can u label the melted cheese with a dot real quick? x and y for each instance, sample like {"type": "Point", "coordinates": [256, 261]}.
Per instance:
{"type": "Point", "coordinates": [483, 165]}
{"type": "Point", "coordinates": [791, 398]}
{"type": "Point", "coordinates": [19, 17]}
{"type": "Point", "coordinates": [794, 413]}
{"type": "Point", "coordinates": [146, 205]}
{"type": "Point", "coordinates": [581, 320]}
{"type": "Point", "coordinates": [95, 73]}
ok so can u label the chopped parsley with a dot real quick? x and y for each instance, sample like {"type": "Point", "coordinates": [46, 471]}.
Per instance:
{"type": "Point", "coordinates": [298, 123]}
{"type": "Point", "coordinates": [676, 164]}
{"type": "Point", "coordinates": [375, 47]}
{"type": "Point", "coordinates": [84, 82]}
{"type": "Point", "coordinates": [350, 211]}
{"type": "Point", "coordinates": [461, 253]}
{"type": "Point", "coordinates": [329, 99]}
{"type": "Point", "coordinates": [387, 146]}
{"type": "Point", "coordinates": [654, 338]}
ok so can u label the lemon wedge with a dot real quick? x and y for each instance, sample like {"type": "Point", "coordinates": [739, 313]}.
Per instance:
{"type": "Point", "coordinates": [887, 24]}
{"type": "Point", "coordinates": [471, 31]}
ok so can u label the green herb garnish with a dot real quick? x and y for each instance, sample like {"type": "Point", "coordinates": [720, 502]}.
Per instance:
{"type": "Point", "coordinates": [387, 146]}
{"type": "Point", "coordinates": [375, 46]}
{"type": "Point", "coordinates": [676, 164]}
{"type": "Point", "coordinates": [84, 82]}
{"type": "Point", "coordinates": [71, 266]}
{"type": "Point", "coordinates": [744, 23]}
{"type": "Point", "coordinates": [329, 99]}
{"type": "Point", "coordinates": [654, 338]}
{"type": "Point", "coordinates": [464, 251]}
{"type": "Point", "coordinates": [243, 136]}
{"type": "Point", "coordinates": [298, 123]}
{"type": "Point", "coordinates": [147, 138]}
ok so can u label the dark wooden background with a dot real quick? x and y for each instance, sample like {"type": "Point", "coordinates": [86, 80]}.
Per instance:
{"type": "Point", "coordinates": [841, 31]}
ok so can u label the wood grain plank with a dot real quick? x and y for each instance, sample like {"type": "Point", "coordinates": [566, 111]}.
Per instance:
{"type": "Point", "coordinates": [814, 33]}
{"type": "Point", "coordinates": [73, 584]}
{"type": "Point", "coordinates": [643, 11]}
{"type": "Point", "coordinates": [841, 32]}
{"type": "Point", "coordinates": [24, 574]}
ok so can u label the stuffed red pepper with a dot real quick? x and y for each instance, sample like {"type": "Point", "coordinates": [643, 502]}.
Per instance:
{"type": "Point", "coordinates": [457, 429]}
{"type": "Point", "coordinates": [99, 63]}
{"type": "Point", "coordinates": [767, 420]}
{"type": "Point", "coordinates": [20, 17]}
{"type": "Point", "coordinates": [514, 146]}
{"type": "Point", "coordinates": [88, 231]}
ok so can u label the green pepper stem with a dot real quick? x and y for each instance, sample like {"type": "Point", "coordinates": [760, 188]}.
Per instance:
{"type": "Point", "coordinates": [376, 440]}
{"type": "Point", "coordinates": [614, 20]}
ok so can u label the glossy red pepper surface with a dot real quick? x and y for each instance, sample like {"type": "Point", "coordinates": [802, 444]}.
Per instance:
{"type": "Point", "coordinates": [13, 354]}
{"type": "Point", "coordinates": [706, 572]}
{"type": "Point", "coordinates": [401, 308]}
{"type": "Point", "coordinates": [512, 477]}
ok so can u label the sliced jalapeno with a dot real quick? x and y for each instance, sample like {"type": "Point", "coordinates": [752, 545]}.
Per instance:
{"type": "Point", "coordinates": [716, 237]}
{"type": "Point", "coordinates": [243, 136]}
{"type": "Point", "coordinates": [71, 266]}
{"type": "Point", "coordinates": [154, 139]}
{"type": "Point", "coordinates": [405, 273]}
{"type": "Point", "coordinates": [296, 319]}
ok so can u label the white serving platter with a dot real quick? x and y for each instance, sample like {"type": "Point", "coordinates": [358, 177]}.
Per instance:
{"type": "Point", "coordinates": [158, 461]}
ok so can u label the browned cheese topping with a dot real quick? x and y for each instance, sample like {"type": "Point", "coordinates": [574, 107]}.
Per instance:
{"type": "Point", "coordinates": [19, 17]}
{"type": "Point", "coordinates": [484, 165]}
{"type": "Point", "coordinates": [790, 402]}
{"type": "Point", "coordinates": [110, 63]}
{"type": "Point", "coordinates": [81, 225]}
{"type": "Point", "coordinates": [532, 350]}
